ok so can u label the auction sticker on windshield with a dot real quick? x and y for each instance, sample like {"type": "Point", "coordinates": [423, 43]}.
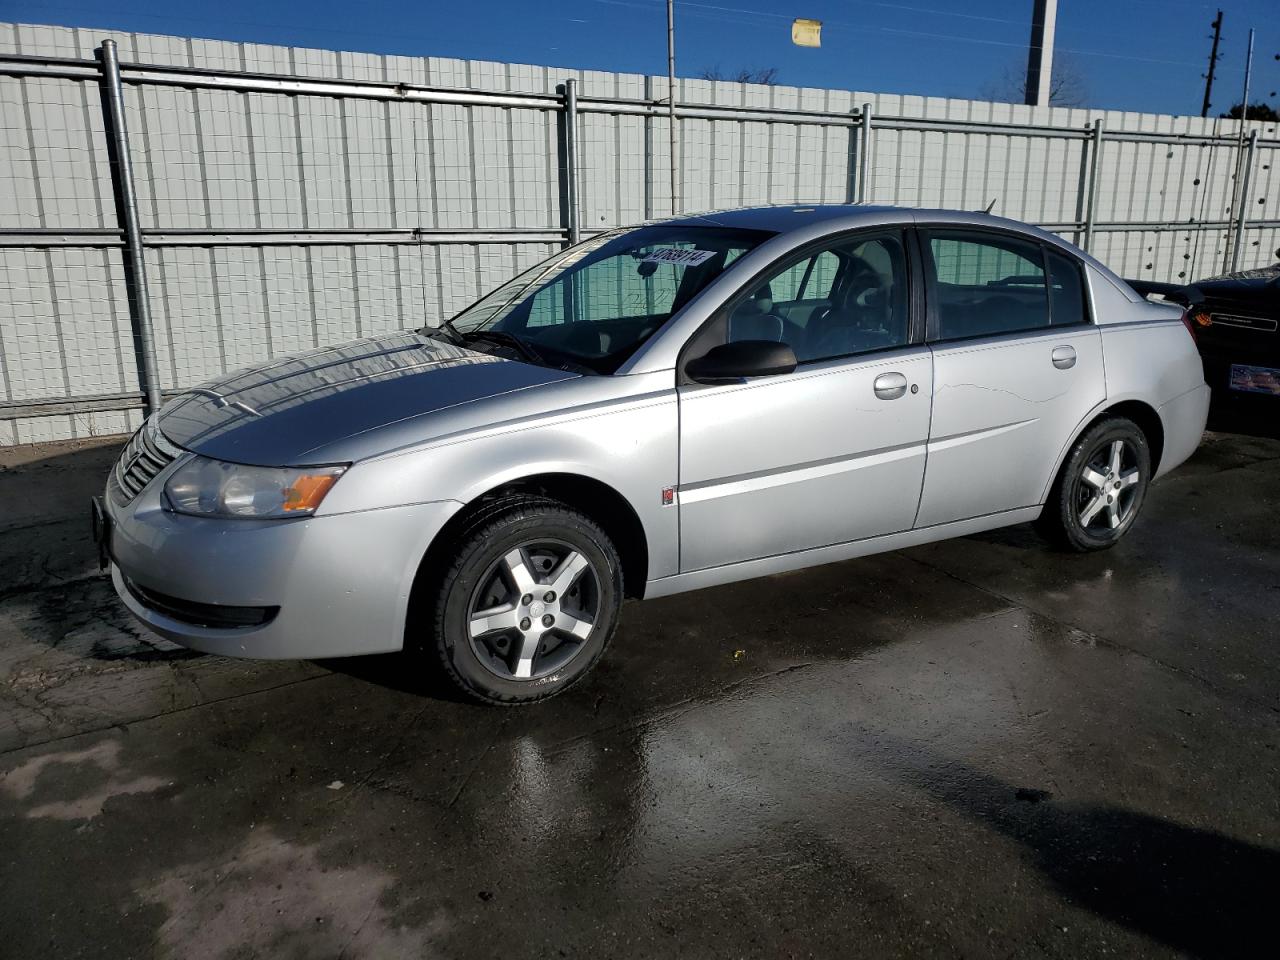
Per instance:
{"type": "Point", "coordinates": [686, 258]}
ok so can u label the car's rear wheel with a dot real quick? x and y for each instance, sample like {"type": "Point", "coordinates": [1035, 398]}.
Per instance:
{"type": "Point", "coordinates": [1101, 487]}
{"type": "Point", "coordinates": [530, 602]}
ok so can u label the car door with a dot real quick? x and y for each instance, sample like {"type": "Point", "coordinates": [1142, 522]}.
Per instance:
{"type": "Point", "coordinates": [831, 452]}
{"type": "Point", "coordinates": [1017, 366]}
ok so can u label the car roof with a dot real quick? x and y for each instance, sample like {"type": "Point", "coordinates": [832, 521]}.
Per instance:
{"type": "Point", "coordinates": [836, 217]}
{"type": "Point", "coordinates": [786, 218]}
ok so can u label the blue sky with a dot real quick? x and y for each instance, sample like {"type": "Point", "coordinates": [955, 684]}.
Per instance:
{"type": "Point", "coordinates": [1143, 55]}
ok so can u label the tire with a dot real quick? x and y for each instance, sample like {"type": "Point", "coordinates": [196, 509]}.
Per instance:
{"type": "Point", "coordinates": [1100, 489]}
{"type": "Point", "coordinates": [542, 584]}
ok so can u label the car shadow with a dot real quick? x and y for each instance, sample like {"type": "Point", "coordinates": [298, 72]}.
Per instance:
{"type": "Point", "coordinates": [1197, 891]}
{"type": "Point", "coordinates": [1020, 537]}
{"type": "Point", "coordinates": [44, 523]}
{"type": "Point", "coordinates": [48, 559]}
{"type": "Point", "coordinates": [403, 672]}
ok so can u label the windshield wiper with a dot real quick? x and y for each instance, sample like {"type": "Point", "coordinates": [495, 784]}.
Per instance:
{"type": "Point", "coordinates": [452, 333]}
{"type": "Point", "coordinates": [573, 366]}
{"type": "Point", "coordinates": [525, 348]}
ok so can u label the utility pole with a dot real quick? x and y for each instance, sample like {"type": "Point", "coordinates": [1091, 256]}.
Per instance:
{"type": "Point", "coordinates": [1040, 57]}
{"type": "Point", "coordinates": [1213, 62]}
{"type": "Point", "coordinates": [1248, 71]}
{"type": "Point", "coordinates": [671, 104]}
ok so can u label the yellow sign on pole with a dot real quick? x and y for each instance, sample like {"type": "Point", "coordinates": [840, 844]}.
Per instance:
{"type": "Point", "coordinates": [806, 33]}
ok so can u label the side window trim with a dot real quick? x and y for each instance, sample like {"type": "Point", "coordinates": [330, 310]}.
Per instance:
{"type": "Point", "coordinates": [904, 233]}
{"type": "Point", "coordinates": [804, 281]}
{"type": "Point", "coordinates": [920, 264]}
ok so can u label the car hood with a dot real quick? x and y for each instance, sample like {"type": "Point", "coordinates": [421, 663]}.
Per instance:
{"type": "Point", "coordinates": [280, 413]}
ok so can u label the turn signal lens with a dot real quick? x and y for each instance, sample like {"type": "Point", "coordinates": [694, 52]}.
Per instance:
{"type": "Point", "coordinates": [1202, 318]}
{"type": "Point", "coordinates": [306, 492]}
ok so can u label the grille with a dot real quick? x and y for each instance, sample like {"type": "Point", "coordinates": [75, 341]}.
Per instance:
{"type": "Point", "coordinates": [144, 456]}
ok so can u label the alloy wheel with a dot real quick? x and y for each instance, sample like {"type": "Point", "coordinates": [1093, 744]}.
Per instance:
{"type": "Point", "coordinates": [534, 610]}
{"type": "Point", "coordinates": [1108, 486]}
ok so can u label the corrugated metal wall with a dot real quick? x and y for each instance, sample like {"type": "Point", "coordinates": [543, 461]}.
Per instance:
{"type": "Point", "coordinates": [277, 219]}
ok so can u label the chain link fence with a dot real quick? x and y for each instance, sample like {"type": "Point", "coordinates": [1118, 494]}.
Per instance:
{"type": "Point", "coordinates": [288, 198]}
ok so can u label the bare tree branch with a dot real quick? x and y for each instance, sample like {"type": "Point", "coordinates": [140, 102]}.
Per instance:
{"type": "Point", "coordinates": [765, 75]}
{"type": "Point", "coordinates": [1067, 86]}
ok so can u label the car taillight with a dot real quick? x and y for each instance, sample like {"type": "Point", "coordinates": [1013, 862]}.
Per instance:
{"type": "Point", "coordinates": [1186, 322]}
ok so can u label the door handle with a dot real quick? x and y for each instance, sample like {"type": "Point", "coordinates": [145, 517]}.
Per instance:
{"type": "Point", "coordinates": [1064, 357]}
{"type": "Point", "coordinates": [890, 386]}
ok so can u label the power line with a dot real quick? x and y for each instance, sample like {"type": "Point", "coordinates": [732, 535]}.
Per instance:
{"type": "Point", "coordinates": [714, 11]}
{"type": "Point", "coordinates": [1022, 46]}
{"type": "Point", "coordinates": [867, 3]}
{"type": "Point", "coordinates": [690, 7]}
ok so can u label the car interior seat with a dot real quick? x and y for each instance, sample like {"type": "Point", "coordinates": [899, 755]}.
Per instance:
{"type": "Point", "coordinates": [755, 319]}
{"type": "Point", "coordinates": [866, 313]}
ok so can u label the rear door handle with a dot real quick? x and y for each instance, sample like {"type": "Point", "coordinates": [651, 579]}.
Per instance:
{"type": "Point", "coordinates": [1064, 357]}
{"type": "Point", "coordinates": [890, 386]}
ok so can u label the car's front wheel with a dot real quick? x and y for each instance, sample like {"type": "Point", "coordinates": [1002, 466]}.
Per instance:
{"type": "Point", "coordinates": [1101, 487]}
{"type": "Point", "coordinates": [529, 603]}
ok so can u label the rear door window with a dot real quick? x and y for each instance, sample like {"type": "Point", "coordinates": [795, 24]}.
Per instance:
{"type": "Point", "coordinates": [986, 284]}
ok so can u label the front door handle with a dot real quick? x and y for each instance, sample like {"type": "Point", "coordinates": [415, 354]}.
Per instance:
{"type": "Point", "coordinates": [890, 386]}
{"type": "Point", "coordinates": [1064, 357]}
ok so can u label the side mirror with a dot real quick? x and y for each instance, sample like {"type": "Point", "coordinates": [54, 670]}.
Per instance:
{"type": "Point", "coordinates": [742, 359]}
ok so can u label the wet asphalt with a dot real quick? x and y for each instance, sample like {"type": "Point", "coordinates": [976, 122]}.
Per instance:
{"type": "Point", "coordinates": [980, 748]}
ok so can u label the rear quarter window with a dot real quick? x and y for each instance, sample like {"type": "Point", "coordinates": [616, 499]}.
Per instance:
{"type": "Point", "coordinates": [1067, 303]}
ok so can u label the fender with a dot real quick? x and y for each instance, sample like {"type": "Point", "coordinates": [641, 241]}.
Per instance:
{"type": "Point", "coordinates": [630, 446]}
{"type": "Point", "coordinates": [1083, 425]}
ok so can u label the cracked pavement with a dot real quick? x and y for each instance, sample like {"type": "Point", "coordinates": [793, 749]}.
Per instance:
{"type": "Point", "coordinates": [974, 748]}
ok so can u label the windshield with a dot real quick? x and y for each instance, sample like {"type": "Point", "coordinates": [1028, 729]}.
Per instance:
{"type": "Point", "coordinates": [595, 303]}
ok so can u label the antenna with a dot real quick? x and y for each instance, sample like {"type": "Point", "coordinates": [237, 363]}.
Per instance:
{"type": "Point", "coordinates": [991, 205]}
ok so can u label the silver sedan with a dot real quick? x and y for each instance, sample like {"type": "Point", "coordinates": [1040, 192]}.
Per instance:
{"type": "Point", "coordinates": [657, 409]}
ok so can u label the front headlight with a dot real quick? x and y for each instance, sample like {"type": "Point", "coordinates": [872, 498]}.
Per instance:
{"type": "Point", "coordinates": [211, 488]}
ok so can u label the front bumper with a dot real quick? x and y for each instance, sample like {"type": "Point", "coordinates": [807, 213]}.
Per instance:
{"type": "Point", "coordinates": [341, 582]}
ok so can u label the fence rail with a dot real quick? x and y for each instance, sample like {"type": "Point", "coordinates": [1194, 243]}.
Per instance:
{"type": "Point", "coordinates": [286, 198]}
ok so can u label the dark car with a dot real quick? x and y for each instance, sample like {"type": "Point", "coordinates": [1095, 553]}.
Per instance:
{"type": "Point", "coordinates": [1234, 319]}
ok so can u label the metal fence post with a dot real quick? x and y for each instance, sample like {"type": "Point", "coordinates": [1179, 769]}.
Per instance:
{"type": "Point", "coordinates": [1095, 163]}
{"type": "Point", "coordinates": [864, 156]}
{"type": "Point", "coordinates": [127, 208]}
{"type": "Point", "coordinates": [571, 158]}
{"type": "Point", "coordinates": [671, 108]}
{"type": "Point", "coordinates": [1243, 213]}
{"type": "Point", "coordinates": [648, 150]}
